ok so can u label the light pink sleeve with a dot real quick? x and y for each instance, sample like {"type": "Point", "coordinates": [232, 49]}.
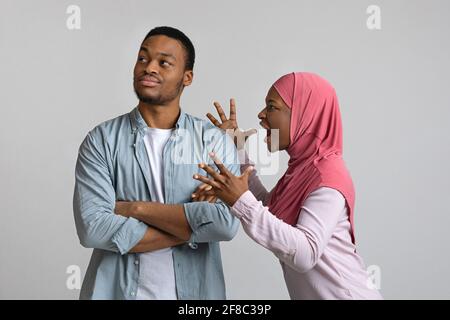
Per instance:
{"type": "Point", "coordinates": [254, 183]}
{"type": "Point", "coordinates": [301, 246]}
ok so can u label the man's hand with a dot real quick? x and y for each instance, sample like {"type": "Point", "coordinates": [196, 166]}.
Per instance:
{"type": "Point", "coordinates": [201, 194]}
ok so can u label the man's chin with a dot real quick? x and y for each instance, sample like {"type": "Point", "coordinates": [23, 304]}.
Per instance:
{"type": "Point", "coordinates": [147, 98]}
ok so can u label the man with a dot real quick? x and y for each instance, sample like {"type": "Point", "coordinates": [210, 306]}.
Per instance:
{"type": "Point", "coordinates": [134, 184]}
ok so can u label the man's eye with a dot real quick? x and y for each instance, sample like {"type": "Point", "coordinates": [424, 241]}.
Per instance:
{"type": "Point", "coordinates": [165, 63]}
{"type": "Point", "coordinates": [141, 59]}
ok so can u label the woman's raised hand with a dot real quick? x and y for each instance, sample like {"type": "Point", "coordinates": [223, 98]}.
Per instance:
{"type": "Point", "coordinates": [230, 124]}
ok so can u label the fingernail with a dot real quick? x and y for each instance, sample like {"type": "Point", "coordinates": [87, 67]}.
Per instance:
{"type": "Point", "coordinates": [193, 195]}
{"type": "Point", "coordinates": [208, 188]}
{"type": "Point", "coordinates": [195, 176]}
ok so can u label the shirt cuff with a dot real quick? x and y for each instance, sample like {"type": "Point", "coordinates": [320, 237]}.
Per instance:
{"type": "Point", "coordinates": [244, 205]}
{"type": "Point", "coordinates": [197, 215]}
{"type": "Point", "coordinates": [129, 234]}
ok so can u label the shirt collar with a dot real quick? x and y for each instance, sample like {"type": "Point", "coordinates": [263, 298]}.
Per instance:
{"type": "Point", "coordinates": [138, 123]}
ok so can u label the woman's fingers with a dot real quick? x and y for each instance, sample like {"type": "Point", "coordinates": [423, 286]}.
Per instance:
{"type": "Point", "coordinates": [220, 165]}
{"type": "Point", "coordinates": [213, 120]}
{"type": "Point", "coordinates": [211, 199]}
{"type": "Point", "coordinates": [207, 180]}
{"type": "Point", "coordinates": [220, 111]}
{"type": "Point", "coordinates": [213, 173]}
{"type": "Point", "coordinates": [232, 109]}
{"type": "Point", "coordinates": [247, 173]}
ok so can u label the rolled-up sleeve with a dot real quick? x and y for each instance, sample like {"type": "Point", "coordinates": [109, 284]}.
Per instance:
{"type": "Point", "coordinates": [211, 222]}
{"type": "Point", "coordinates": [94, 201]}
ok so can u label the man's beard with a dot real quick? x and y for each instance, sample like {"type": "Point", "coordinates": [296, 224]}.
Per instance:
{"type": "Point", "coordinates": [161, 99]}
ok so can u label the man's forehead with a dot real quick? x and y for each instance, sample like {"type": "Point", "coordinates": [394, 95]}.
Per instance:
{"type": "Point", "coordinates": [162, 42]}
{"type": "Point", "coordinates": [158, 52]}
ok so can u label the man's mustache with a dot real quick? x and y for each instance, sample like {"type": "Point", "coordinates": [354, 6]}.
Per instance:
{"type": "Point", "coordinates": [148, 77]}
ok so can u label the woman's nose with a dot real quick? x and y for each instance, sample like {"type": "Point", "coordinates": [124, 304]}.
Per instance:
{"type": "Point", "coordinates": [262, 114]}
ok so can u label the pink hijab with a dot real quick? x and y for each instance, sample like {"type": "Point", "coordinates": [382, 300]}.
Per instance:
{"type": "Point", "coordinates": [315, 147]}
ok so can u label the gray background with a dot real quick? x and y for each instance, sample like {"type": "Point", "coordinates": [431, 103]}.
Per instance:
{"type": "Point", "coordinates": [56, 84]}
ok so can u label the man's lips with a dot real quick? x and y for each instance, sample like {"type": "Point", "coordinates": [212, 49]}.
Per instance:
{"type": "Point", "coordinates": [148, 81]}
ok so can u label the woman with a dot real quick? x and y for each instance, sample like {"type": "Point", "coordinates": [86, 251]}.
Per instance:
{"type": "Point", "coordinates": [307, 219]}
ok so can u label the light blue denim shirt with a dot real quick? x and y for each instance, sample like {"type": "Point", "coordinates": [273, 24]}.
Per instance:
{"type": "Point", "coordinates": [113, 165]}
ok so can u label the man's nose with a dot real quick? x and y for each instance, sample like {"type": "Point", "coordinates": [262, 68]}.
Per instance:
{"type": "Point", "coordinates": [152, 67]}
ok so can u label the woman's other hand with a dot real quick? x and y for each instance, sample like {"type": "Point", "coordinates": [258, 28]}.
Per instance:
{"type": "Point", "coordinates": [224, 185]}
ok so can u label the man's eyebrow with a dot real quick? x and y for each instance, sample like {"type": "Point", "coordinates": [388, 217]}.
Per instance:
{"type": "Point", "coordinates": [167, 55]}
{"type": "Point", "coordinates": [164, 54]}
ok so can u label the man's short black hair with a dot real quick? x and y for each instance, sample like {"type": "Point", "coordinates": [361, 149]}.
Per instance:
{"type": "Point", "coordinates": [177, 35]}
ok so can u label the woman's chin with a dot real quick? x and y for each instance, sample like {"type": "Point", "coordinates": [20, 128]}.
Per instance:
{"type": "Point", "coordinates": [269, 145]}
{"type": "Point", "coordinates": [268, 142]}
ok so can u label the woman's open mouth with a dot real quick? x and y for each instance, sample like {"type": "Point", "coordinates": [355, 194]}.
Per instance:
{"type": "Point", "coordinates": [268, 131]}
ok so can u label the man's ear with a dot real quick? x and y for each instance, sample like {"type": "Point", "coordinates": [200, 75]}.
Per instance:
{"type": "Point", "coordinates": [188, 77]}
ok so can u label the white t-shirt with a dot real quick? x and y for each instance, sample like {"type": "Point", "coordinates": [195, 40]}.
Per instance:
{"type": "Point", "coordinates": [156, 271]}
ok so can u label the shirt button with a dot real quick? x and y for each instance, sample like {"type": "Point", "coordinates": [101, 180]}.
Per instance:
{"type": "Point", "coordinates": [136, 262]}
{"type": "Point", "coordinates": [193, 245]}
{"type": "Point", "coordinates": [132, 293]}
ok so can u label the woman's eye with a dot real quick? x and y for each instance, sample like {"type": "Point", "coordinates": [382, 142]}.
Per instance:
{"type": "Point", "coordinates": [270, 108]}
